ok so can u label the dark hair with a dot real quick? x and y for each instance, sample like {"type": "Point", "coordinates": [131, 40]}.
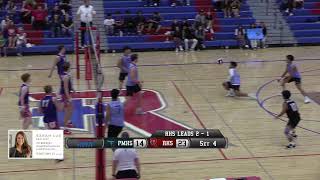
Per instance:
{"type": "Point", "coordinates": [114, 94]}
{"type": "Point", "coordinates": [234, 64]}
{"type": "Point", "coordinates": [25, 77]}
{"type": "Point", "coordinates": [25, 146]}
{"type": "Point", "coordinates": [108, 14]}
{"type": "Point", "coordinates": [66, 66]}
{"type": "Point", "coordinates": [47, 89]}
{"type": "Point", "coordinates": [290, 57]}
{"type": "Point", "coordinates": [134, 57]}
{"type": "Point", "coordinates": [126, 48]}
{"type": "Point", "coordinates": [125, 135]}
{"type": "Point", "coordinates": [60, 47]}
{"type": "Point", "coordinates": [286, 94]}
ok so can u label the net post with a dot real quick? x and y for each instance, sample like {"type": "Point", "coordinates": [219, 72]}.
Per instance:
{"type": "Point", "coordinates": [77, 54]}
{"type": "Point", "coordinates": [100, 133]}
{"type": "Point", "coordinates": [88, 65]}
{"type": "Point", "coordinates": [98, 46]}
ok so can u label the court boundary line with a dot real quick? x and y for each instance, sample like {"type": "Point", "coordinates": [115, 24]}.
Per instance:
{"type": "Point", "coordinates": [168, 162]}
{"type": "Point", "coordinates": [194, 113]}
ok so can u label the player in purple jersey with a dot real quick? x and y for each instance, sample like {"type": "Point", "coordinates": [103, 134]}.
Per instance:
{"type": "Point", "coordinates": [294, 76]}
{"type": "Point", "coordinates": [49, 106]}
{"type": "Point", "coordinates": [134, 84]}
{"type": "Point", "coordinates": [123, 65]}
{"type": "Point", "coordinates": [66, 94]}
{"type": "Point", "coordinates": [59, 61]}
{"type": "Point", "coordinates": [25, 114]}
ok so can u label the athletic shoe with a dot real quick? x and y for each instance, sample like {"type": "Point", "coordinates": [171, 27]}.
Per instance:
{"type": "Point", "coordinates": [230, 94]}
{"type": "Point", "coordinates": [253, 96]}
{"type": "Point", "coordinates": [177, 50]}
{"type": "Point", "coordinates": [291, 145]}
{"type": "Point", "coordinates": [67, 132]}
{"type": "Point", "coordinates": [307, 100]}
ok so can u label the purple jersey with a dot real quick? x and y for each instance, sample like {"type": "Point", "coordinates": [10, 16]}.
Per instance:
{"type": "Point", "coordinates": [291, 72]}
{"type": "Point", "coordinates": [64, 74]}
{"type": "Point", "coordinates": [126, 60]}
{"type": "Point", "coordinates": [62, 60]}
{"type": "Point", "coordinates": [26, 96]}
{"type": "Point", "coordinates": [49, 109]}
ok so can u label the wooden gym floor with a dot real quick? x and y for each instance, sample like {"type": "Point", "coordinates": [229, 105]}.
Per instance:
{"type": "Point", "coordinates": [190, 83]}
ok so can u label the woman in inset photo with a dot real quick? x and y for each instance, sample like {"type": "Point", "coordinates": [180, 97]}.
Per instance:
{"type": "Point", "coordinates": [21, 149]}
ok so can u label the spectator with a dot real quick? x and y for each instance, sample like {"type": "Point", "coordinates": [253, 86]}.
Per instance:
{"type": "Point", "coordinates": [253, 42]}
{"type": "Point", "coordinates": [152, 2]}
{"type": "Point", "coordinates": [56, 26]}
{"type": "Point", "coordinates": [11, 8]}
{"type": "Point", "coordinates": [240, 34]}
{"type": "Point", "coordinates": [65, 6]}
{"type": "Point", "coordinates": [109, 25]}
{"type": "Point", "coordinates": [235, 7]}
{"type": "Point", "coordinates": [154, 22]}
{"type": "Point", "coordinates": [200, 19]}
{"type": "Point", "coordinates": [290, 7]}
{"type": "Point", "coordinates": [129, 23]}
{"type": "Point", "coordinates": [125, 162]}
{"type": "Point", "coordinates": [118, 27]}
{"type": "Point", "coordinates": [3, 43]}
{"type": "Point", "coordinates": [21, 41]}
{"type": "Point", "coordinates": [264, 31]}
{"type": "Point", "coordinates": [218, 5]}
{"type": "Point", "coordinates": [12, 34]}
{"type": "Point", "coordinates": [39, 18]}
{"type": "Point", "coordinates": [298, 4]}
{"type": "Point", "coordinates": [5, 22]}
{"type": "Point", "coordinates": [31, 2]}
{"type": "Point", "coordinates": [200, 35]}
{"type": "Point", "coordinates": [140, 22]}
{"type": "Point", "coordinates": [188, 36]}
{"type": "Point", "coordinates": [26, 12]}
{"type": "Point", "coordinates": [67, 26]}
{"type": "Point", "coordinates": [209, 22]}
{"type": "Point", "coordinates": [180, 2]}
{"type": "Point", "coordinates": [85, 14]}
{"type": "Point", "coordinates": [175, 24]}
{"type": "Point", "coordinates": [227, 8]}
{"type": "Point", "coordinates": [56, 11]}
{"type": "Point", "coordinates": [177, 38]}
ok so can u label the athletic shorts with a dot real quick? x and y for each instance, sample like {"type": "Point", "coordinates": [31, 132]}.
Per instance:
{"type": "Point", "coordinates": [125, 174]}
{"type": "Point", "coordinates": [114, 131]}
{"type": "Point", "coordinates": [49, 120]}
{"type": "Point", "coordinates": [234, 87]}
{"type": "Point", "coordinates": [296, 80]}
{"type": "Point", "coordinates": [122, 76]}
{"type": "Point", "coordinates": [133, 89]}
{"type": "Point", "coordinates": [25, 112]}
{"type": "Point", "coordinates": [293, 122]}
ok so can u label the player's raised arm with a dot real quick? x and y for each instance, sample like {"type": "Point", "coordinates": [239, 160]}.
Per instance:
{"type": "Point", "coordinates": [56, 60]}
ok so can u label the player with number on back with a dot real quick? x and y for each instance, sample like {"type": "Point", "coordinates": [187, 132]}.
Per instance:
{"type": "Point", "coordinates": [291, 108]}
{"type": "Point", "coordinates": [25, 114]}
{"type": "Point", "coordinates": [65, 92]}
{"type": "Point", "coordinates": [294, 76]}
{"type": "Point", "coordinates": [115, 114]}
{"type": "Point", "coordinates": [49, 106]}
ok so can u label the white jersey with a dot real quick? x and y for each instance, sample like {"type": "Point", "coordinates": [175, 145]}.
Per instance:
{"type": "Point", "coordinates": [234, 76]}
{"type": "Point", "coordinates": [126, 159]}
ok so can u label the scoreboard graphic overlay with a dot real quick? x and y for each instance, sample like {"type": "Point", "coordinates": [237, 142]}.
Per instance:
{"type": "Point", "coordinates": [198, 138]}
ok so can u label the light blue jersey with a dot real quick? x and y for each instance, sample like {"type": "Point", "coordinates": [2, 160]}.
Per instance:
{"type": "Point", "coordinates": [293, 74]}
{"type": "Point", "coordinates": [116, 113]}
{"type": "Point", "coordinates": [234, 76]}
{"type": "Point", "coordinates": [126, 60]}
{"type": "Point", "coordinates": [130, 81]}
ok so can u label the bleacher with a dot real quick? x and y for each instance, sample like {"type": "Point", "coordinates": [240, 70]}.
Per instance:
{"type": "Point", "coordinates": [305, 23]}
{"type": "Point", "coordinates": [42, 40]}
{"type": "Point", "coordinates": [223, 27]}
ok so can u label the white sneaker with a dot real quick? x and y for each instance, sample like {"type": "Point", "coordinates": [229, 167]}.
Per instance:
{"type": "Point", "coordinates": [307, 100]}
{"type": "Point", "coordinates": [177, 50]}
{"type": "Point", "coordinates": [253, 96]}
{"type": "Point", "coordinates": [230, 94]}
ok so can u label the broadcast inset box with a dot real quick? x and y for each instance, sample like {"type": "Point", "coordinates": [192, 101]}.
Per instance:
{"type": "Point", "coordinates": [35, 144]}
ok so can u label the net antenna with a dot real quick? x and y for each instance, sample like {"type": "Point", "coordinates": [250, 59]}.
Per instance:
{"type": "Point", "coordinates": [98, 77]}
